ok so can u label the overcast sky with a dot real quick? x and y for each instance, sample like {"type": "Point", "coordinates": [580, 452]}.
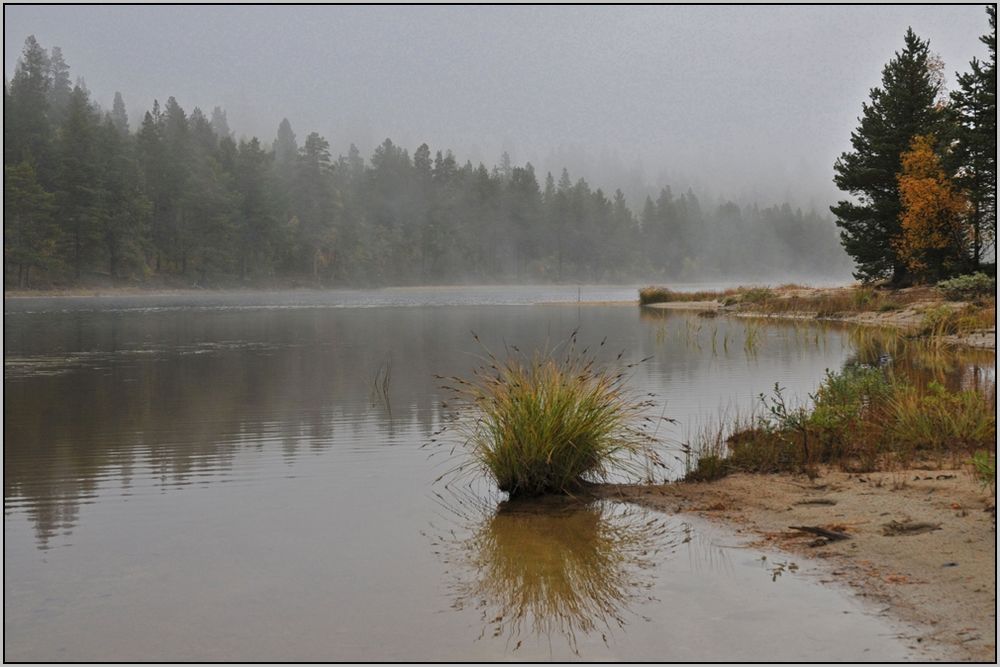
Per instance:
{"type": "Point", "coordinates": [747, 102]}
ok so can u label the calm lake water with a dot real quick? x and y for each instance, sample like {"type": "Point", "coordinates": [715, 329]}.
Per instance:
{"type": "Point", "coordinates": [213, 477]}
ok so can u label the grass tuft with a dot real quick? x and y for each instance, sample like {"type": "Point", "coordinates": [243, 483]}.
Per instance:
{"type": "Point", "coordinates": [552, 422]}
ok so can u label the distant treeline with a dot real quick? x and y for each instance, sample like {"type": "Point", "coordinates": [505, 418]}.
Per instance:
{"type": "Point", "coordinates": [179, 199]}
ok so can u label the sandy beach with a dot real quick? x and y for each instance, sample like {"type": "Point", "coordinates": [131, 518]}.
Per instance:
{"type": "Point", "coordinates": [920, 543]}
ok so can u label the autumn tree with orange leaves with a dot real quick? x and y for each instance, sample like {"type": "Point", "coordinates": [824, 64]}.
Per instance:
{"type": "Point", "coordinates": [934, 234]}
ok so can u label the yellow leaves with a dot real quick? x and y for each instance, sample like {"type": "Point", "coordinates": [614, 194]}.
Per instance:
{"type": "Point", "coordinates": [932, 219]}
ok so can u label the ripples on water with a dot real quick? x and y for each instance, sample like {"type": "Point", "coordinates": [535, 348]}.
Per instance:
{"type": "Point", "coordinates": [216, 475]}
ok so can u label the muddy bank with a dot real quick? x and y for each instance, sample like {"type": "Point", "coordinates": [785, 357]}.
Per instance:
{"type": "Point", "coordinates": [920, 543]}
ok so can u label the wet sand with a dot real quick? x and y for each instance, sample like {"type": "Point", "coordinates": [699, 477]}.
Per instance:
{"type": "Point", "coordinates": [921, 545]}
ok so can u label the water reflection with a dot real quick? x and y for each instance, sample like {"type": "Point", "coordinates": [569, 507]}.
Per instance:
{"type": "Point", "coordinates": [101, 406]}
{"type": "Point", "coordinates": [558, 568]}
{"type": "Point", "coordinates": [922, 361]}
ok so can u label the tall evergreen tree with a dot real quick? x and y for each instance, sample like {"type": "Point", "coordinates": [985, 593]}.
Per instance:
{"type": "Point", "coordinates": [122, 210]}
{"type": "Point", "coordinates": [78, 179]}
{"type": "Point", "coordinates": [903, 107]}
{"type": "Point", "coordinates": [26, 126]}
{"type": "Point", "coordinates": [29, 235]}
{"type": "Point", "coordinates": [119, 116]}
{"type": "Point", "coordinates": [286, 149]}
{"type": "Point", "coordinates": [256, 228]}
{"type": "Point", "coordinates": [152, 160]}
{"type": "Point", "coordinates": [974, 151]}
{"type": "Point", "coordinates": [60, 88]}
{"type": "Point", "coordinates": [220, 125]}
{"type": "Point", "coordinates": [315, 203]}
{"type": "Point", "coordinates": [176, 240]}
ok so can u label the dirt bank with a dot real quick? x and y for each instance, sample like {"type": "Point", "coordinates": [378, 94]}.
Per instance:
{"type": "Point", "coordinates": [921, 543]}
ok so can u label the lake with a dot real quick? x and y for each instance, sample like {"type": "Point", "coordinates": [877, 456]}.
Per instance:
{"type": "Point", "coordinates": [221, 477]}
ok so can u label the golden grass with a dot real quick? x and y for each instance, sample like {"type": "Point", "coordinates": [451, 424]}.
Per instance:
{"type": "Point", "coordinates": [549, 423]}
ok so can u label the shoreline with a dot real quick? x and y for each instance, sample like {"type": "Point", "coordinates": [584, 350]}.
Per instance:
{"type": "Point", "coordinates": [921, 545]}
{"type": "Point", "coordinates": [906, 319]}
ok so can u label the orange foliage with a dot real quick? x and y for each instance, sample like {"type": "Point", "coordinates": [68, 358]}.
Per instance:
{"type": "Point", "coordinates": [934, 232]}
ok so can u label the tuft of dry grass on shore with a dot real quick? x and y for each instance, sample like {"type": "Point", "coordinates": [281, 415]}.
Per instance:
{"type": "Point", "coordinates": [651, 295]}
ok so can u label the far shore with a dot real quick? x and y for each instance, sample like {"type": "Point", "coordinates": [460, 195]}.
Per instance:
{"type": "Point", "coordinates": [907, 316]}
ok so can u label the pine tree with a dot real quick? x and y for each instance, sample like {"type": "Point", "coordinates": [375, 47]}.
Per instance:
{"type": "Point", "coordinates": [60, 88]}
{"type": "Point", "coordinates": [286, 149]}
{"type": "Point", "coordinates": [26, 126]}
{"type": "Point", "coordinates": [119, 117]}
{"type": "Point", "coordinates": [315, 203]}
{"type": "Point", "coordinates": [974, 106]}
{"type": "Point", "coordinates": [256, 224]}
{"type": "Point", "coordinates": [152, 161]}
{"type": "Point", "coordinates": [78, 179]}
{"type": "Point", "coordinates": [903, 107]}
{"type": "Point", "coordinates": [28, 231]}
{"type": "Point", "coordinates": [220, 126]}
{"type": "Point", "coordinates": [122, 211]}
{"type": "Point", "coordinates": [176, 239]}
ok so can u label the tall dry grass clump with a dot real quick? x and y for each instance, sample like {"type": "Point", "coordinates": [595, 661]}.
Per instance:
{"type": "Point", "coordinates": [548, 423]}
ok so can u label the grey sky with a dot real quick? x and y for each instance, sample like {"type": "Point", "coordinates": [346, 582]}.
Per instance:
{"type": "Point", "coordinates": [747, 102]}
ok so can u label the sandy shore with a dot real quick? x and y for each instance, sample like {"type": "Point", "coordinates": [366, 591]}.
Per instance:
{"type": "Point", "coordinates": [921, 543]}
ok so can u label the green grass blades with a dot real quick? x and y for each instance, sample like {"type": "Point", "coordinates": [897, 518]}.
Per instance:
{"type": "Point", "coordinates": [548, 423]}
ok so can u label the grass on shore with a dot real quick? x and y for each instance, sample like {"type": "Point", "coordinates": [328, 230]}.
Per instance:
{"type": "Point", "coordinates": [862, 419]}
{"type": "Point", "coordinates": [552, 422]}
{"type": "Point", "coordinates": [650, 295]}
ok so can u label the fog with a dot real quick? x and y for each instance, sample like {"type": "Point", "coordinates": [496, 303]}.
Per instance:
{"type": "Point", "coordinates": [752, 103]}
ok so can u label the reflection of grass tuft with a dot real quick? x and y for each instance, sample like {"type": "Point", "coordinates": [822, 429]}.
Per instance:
{"type": "Point", "coordinates": [564, 568]}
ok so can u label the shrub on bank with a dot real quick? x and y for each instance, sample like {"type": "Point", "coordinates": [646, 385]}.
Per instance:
{"type": "Point", "coordinates": [861, 418]}
{"type": "Point", "coordinates": [968, 287]}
